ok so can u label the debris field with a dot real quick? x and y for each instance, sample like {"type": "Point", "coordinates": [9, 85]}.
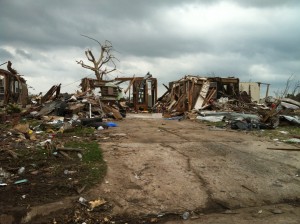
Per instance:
{"type": "Point", "coordinates": [203, 151]}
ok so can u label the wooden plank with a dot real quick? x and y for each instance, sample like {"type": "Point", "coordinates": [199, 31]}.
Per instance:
{"type": "Point", "coordinates": [116, 114]}
{"type": "Point", "coordinates": [210, 95]}
{"type": "Point", "coordinates": [130, 84]}
{"type": "Point", "coordinates": [192, 94]}
{"type": "Point", "coordinates": [171, 105]}
{"type": "Point", "coordinates": [166, 87]}
{"type": "Point", "coordinates": [65, 155]}
{"type": "Point", "coordinates": [285, 149]}
{"type": "Point", "coordinates": [202, 95]}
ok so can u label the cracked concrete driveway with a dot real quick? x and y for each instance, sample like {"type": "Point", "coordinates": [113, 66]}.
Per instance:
{"type": "Point", "coordinates": [169, 167]}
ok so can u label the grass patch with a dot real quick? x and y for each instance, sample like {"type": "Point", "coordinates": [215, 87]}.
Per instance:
{"type": "Point", "coordinates": [93, 167]}
{"type": "Point", "coordinates": [33, 122]}
{"type": "Point", "coordinates": [281, 133]}
{"type": "Point", "coordinates": [80, 131]}
{"type": "Point", "coordinates": [92, 152]}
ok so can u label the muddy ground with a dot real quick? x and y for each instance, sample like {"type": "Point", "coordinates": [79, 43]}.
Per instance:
{"type": "Point", "coordinates": [162, 171]}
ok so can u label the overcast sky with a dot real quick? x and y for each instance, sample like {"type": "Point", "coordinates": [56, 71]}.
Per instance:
{"type": "Point", "coordinates": [253, 40]}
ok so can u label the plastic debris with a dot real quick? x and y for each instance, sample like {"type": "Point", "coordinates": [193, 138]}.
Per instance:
{"type": "Point", "coordinates": [111, 124]}
{"type": "Point", "coordinates": [3, 174]}
{"type": "Point", "coordinates": [292, 119]}
{"type": "Point", "coordinates": [66, 172]}
{"type": "Point", "coordinates": [284, 132]}
{"type": "Point", "coordinates": [21, 181]}
{"type": "Point", "coordinates": [211, 118]}
{"type": "Point", "coordinates": [185, 215]}
{"type": "Point", "coordinates": [45, 142]}
{"type": "Point", "coordinates": [293, 140]}
{"type": "Point", "coordinates": [83, 201]}
{"type": "Point", "coordinates": [21, 170]}
{"type": "Point", "coordinates": [100, 128]}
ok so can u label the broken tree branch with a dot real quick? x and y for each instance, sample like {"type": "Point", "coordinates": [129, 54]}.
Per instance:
{"type": "Point", "coordinates": [104, 58]}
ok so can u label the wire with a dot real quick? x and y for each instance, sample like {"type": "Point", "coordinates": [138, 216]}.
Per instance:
{"type": "Point", "coordinates": [120, 71]}
{"type": "Point", "coordinates": [77, 81]}
{"type": "Point", "coordinates": [109, 74]}
{"type": "Point", "coordinates": [3, 63]}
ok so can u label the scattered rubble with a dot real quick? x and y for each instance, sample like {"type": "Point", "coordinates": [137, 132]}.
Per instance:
{"type": "Point", "coordinates": [217, 99]}
{"type": "Point", "coordinates": [35, 130]}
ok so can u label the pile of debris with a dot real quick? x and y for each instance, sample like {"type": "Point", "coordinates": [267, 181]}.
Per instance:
{"type": "Point", "coordinates": [219, 99]}
{"type": "Point", "coordinates": [195, 93]}
{"type": "Point", "coordinates": [72, 107]}
{"type": "Point", "coordinates": [97, 98]}
{"type": "Point", "coordinates": [56, 113]}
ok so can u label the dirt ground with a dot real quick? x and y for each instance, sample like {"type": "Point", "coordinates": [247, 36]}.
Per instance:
{"type": "Point", "coordinates": [169, 171]}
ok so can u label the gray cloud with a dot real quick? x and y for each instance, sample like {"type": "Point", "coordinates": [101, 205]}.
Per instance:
{"type": "Point", "coordinates": [266, 3]}
{"type": "Point", "coordinates": [253, 40]}
{"type": "Point", "coordinates": [5, 55]}
{"type": "Point", "coordinates": [23, 53]}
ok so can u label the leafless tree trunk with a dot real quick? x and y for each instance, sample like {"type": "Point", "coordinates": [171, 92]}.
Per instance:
{"type": "Point", "coordinates": [288, 85]}
{"type": "Point", "coordinates": [105, 57]}
{"type": "Point", "coordinates": [296, 89]}
{"type": "Point", "coordinates": [289, 89]}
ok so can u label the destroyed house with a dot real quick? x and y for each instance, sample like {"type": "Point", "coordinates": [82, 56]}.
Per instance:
{"type": "Point", "coordinates": [195, 92]}
{"type": "Point", "coordinates": [107, 90]}
{"type": "Point", "coordinates": [13, 88]}
{"type": "Point", "coordinates": [142, 91]}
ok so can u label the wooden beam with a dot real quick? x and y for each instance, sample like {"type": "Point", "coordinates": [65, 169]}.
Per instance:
{"type": "Point", "coordinates": [130, 84]}
{"type": "Point", "coordinates": [166, 87]}
{"type": "Point", "coordinates": [285, 149]}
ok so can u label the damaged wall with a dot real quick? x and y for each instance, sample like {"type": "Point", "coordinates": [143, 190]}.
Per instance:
{"type": "Point", "coordinates": [107, 90]}
{"type": "Point", "coordinates": [13, 88]}
{"type": "Point", "coordinates": [252, 89]}
{"type": "Point", "coordinates": [194, 92]}
{"type": "Point", "coordinates": [143, 89]}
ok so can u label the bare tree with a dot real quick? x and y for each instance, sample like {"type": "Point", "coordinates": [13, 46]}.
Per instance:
{"type": "Point", "coordinates": [296, 88]}
{"type": "Point", "coordinates": [291, 88]}
{"type": "Point", "coordinates": [288, 85]}
{"type": "Point", "coordinates": [100, 65]}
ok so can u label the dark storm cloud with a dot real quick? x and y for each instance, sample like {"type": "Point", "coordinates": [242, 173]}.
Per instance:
{"type": "Point", "coordinates": [23, 53]}
{"type": "Point", "coordinates": [5, 55]}
{"type": "Point", "coordinates": [171, 37]}
{"type": "Point", "coordinates": [133, 26]}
